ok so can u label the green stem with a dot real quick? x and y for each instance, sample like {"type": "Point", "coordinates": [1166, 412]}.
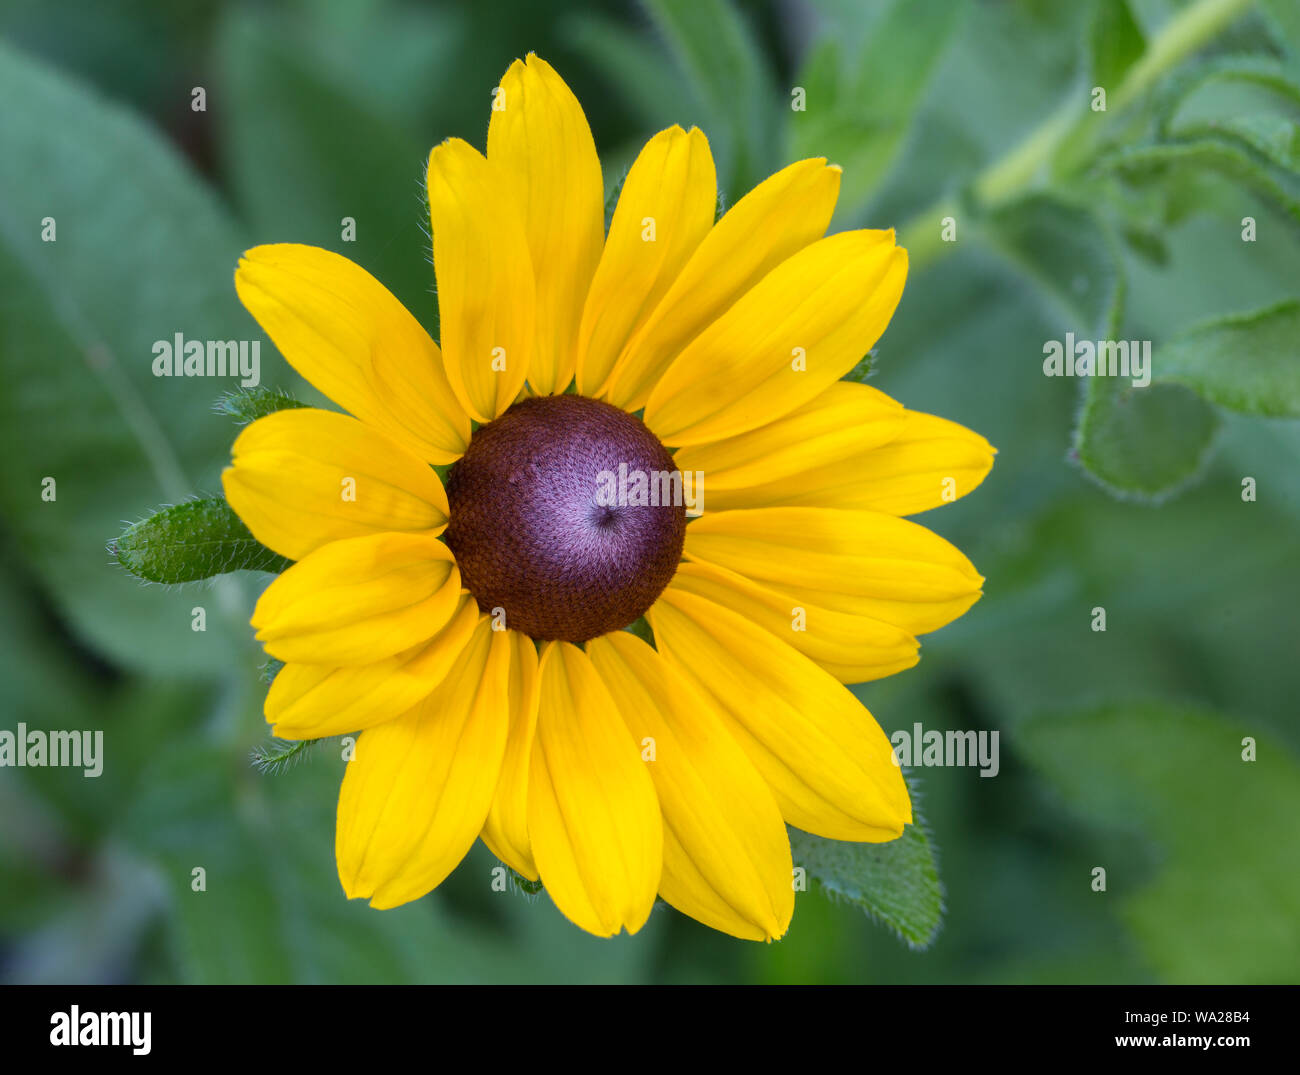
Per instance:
{"type": "Point", "coordinates": [1183, 35]}
{"type": "Point", "coordinates": [1020, 169]}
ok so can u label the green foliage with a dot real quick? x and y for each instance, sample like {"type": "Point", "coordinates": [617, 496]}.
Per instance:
{"type": "Point", "coordinates": [1143, 442]}
{"type": "Point", "coordinates": [1126, 224]}
{"type": "Point", "coordinates": [265, 850]}
{"type": "Point", "coordinates": [78, 318]}
{"type": "Point", "coordinates": [192, 541]}
{"type": "Point", "coordinates": [1284, 19]}
{"type": "Point", "coordinates": [289, 112]}
{"type": "Point", "coordinates": [1226, 869]}
{"type": "Point", "coordinates": [524, 885]}
{"type": "Point", "coordinates": [1116, 43]}
{"type": "Point", "coordinates": [714, 48]}
{"type": "Point", "coordinates": [1068, 252]}
{"type": "Point", "coordinates": [1263, 72]}
{"type": "Point", "coordinates": [1247, 363]}
{"type": "Point", "coordinates": [896, 883]}
{"type": "Point", "coordinates": [863, 370]}
{"type": "Point", "coordinates": [860, 107]}
{"type": "Point", "coordinates": [280, 755]}
{"type": "Point", "coordinates": [247, 405]}
{"type": "Point", "coordinates": [1166, 165]}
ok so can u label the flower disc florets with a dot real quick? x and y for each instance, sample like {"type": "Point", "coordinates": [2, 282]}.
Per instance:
{"type": "Point", "coordinates": [543, 526]}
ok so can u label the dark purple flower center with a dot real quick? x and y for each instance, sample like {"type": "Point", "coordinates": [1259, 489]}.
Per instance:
{"type": "Point", "coordinates": [565, 512]}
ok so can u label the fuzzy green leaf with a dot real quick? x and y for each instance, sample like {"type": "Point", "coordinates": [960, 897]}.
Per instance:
{"type": "Point", "coordinates": [1162, 163]}
{"type": "Point", "coordinates": [1145, 443]}
{"type": "Point", "coordinates": [1248, 363]}
{"type": "Point", "coordinates": [191, 541]}
{"type": "Point", "coordinates": [279, 755]}
{"type": "Point", "coordinates": [896, 883]}
{"type": "Point", "coordinates": [247, 405]}
{"type": "Point", "coordinates": [1260, 72]}
{"type": "Point", "coordinates": [1274, 138]}
{"type": "Point", "coordinates": [1136, 442]}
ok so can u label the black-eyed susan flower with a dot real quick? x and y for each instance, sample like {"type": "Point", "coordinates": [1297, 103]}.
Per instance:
{"type": "Point", "coordinates": [620, 699]}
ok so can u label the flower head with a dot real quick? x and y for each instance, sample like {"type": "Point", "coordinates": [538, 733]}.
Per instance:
{"type": "Point", "coordinates": [588, 390]}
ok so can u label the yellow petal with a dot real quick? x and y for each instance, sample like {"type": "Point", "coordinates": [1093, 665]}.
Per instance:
{"type": "Point", "coordinates": [780, 216]}
{"type": "Point", "coordinates": [853, 649]}
{"type": "Point", "coordinates": [357, 601]}
{"type": "Point", "coordinates": [789, 338]}
{"type": "Point", "coordinates": [931, 462]}
{"type": "Point", "coordinates": [312, 701]}
{"type": "Point", "coordinates": [506, 830]}
{"type": "Point", "coordinates": [485, 279]}
{"type": "Point", "coordinates": [864, 563]}
{"type": "Point", "coordinates": [415, 795]}
{"type": "Point", "coordinates": [303, 478]}
{"type": "Point", "coordinates": [664, 210]}
{"type": "Point", "coordinates": [726, 852]}
{"type": "Point", "coordinates": [592, 813]}
{"type": "Point", "coordinates": [349, 336]}
{"type": "Point", "coordinates": [846, 419]}
{"type": "Point", "coordinates": [540, 145]}
{"type": "Point", "coordinates": [828, 762]}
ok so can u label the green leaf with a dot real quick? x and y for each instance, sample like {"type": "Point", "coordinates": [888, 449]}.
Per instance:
{"type": "Point", "coordinates": [646, 78]}
{"type": "Point", "coordinates": [1141, 442]}
{"type": "Point", "coordinates": [280, 755]}
{"type": "Point", "coordinates": [529, 888]}
{"type": "Point", "coordinates": [611, 199]}
{"type": "Point", "coordinates": [1116, 43]}
{"type": "Point", "coordinates": [1274, 138]}
{"type": "Point", "coordinates": [247, 405]}
{"type": "Point", "coordinates": [1248, 363]}
{"type": "Point", "coordinates": [862, 122]}
{"type": "Point", "coordinates": [641, 628]}
{"type": "Point", "coordinates": [1262, 72]}
{"type": "Point", "coordinates": [1159, 164]}
{"type": "Point", "coordinates": [896, 883]}
{"type": "Point", "coordinates": [1145, 241]}
{"type": "Point", "coordinates": [863, 371]}
{"type": "Point", "coordinates": [304, 153]}
{"type": "Point", "coordinates": [1223, 904]}
{"type": "Point", "coordinates": [141, 251]}
{"type": "Point", "coordinates": [1146, 443]}
{"type": "Point", "coordinates": [1283, 19]}
{"type": "Point", "coordinates": [1067, 251]}
{"type": "Point", "coordinates": [271, 908]}
{"type": "Point", "coordinates": [716, 50]}
{"type": "Point", "coordinates": [192, 541]}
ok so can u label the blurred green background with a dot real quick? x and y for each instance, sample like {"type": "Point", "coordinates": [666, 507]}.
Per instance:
{"type": "Point", "coordinates": [1120, 749]}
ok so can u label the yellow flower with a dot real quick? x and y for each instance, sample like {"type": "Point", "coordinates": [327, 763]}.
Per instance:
{"type": "Point", "coordinates": [473, 633]}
